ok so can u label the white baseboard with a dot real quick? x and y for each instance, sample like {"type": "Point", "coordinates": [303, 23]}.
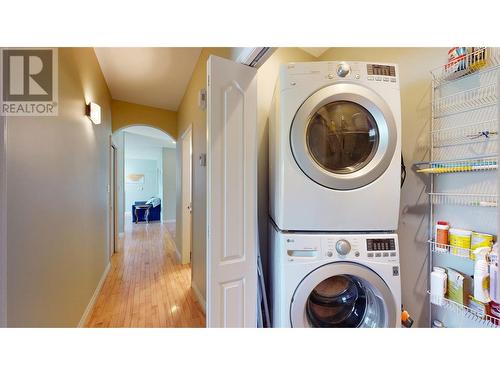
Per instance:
{"type": "Point", "coordinates": [90, 306]}
{"type": "Point", "coordinates": [198, 296]}
{"type": "Point", "coordinates": [178, 255]}
{"type": "Point", "coordinates": [169, 221]}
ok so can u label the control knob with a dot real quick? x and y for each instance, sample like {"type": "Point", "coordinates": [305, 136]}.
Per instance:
{"type": "Point", "coordinates": [343, 247]}
{"type": "Point", "coordinates": [343, 69]}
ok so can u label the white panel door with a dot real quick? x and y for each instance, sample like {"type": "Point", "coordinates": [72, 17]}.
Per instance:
{"type": "Point", "coordinates": [187, 198]}
{"type": "Point", "coordinates": [231, 194]}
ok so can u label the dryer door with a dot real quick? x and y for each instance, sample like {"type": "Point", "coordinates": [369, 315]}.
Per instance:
{"type": "Point", "coordinates": [343, 295]}
{"type": "Point", "coordinates": [343, 136]}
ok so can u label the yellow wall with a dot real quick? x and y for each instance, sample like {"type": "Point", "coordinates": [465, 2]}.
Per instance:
{"type": "Point", "coordinates": [57, 173]}
{"type": "Point", "coordinates": [189, 113]}
{"type": "Point", "coordinates": [126, 114]}
{"type": "Point", "coordinates": [415, 82]}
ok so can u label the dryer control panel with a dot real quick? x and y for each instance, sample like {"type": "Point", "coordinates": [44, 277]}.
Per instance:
{"type": "Point", "coordinates": [297, 74]}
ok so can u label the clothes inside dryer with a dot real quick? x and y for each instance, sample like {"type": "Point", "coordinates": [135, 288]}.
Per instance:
{"type": "Point", "coordinates": [342, 137]}
{"type": "Point", "coordinates": [344, 301]}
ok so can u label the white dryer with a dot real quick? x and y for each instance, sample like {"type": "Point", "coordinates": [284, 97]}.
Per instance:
{"type": "Point", "coordinates": [335, 147]}
{"type": "Point", "coordinates": [335, 280]}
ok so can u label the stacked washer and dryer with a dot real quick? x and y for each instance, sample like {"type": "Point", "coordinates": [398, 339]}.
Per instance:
{"type": "Point", "coordinates": [335, 167]}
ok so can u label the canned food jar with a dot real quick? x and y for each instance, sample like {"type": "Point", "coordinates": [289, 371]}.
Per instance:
{"type": "Point", "coordinates": [460, 241]}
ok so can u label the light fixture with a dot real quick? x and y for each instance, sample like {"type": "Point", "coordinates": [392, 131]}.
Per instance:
{"type": "Point", "coordinates": [93, 111]}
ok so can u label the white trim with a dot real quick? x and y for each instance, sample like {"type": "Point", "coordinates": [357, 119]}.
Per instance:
{"type": "Point", "coordinates": [90, 306]}
{"type": "Point", "coordinates": [178, 255]}
{"type": "Point", "coordinates": [198, 296]}
{"type": "Point", "coordinates": [186, 253]}
{"type": "Point", "coordinates": [3, 222]}
{"type": "Point", "coordinates": [189, 128]}
{"type": "Point", "coordinates": [169, 221]}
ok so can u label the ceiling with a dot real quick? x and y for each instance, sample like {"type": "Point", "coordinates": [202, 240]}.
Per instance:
{"type": "Point", "coordinates": [315, 51]}
{"type": "Point", "coordinates": [157, 77]}
{"type": "Point", "coordinates": [148, 137]}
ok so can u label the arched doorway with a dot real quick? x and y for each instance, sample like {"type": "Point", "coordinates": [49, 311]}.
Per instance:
{"type": "Point", "coordinates": [145, 168]}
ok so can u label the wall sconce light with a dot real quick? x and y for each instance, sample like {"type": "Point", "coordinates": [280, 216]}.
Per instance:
{"type": "Point", "coordinates": [93, 111]}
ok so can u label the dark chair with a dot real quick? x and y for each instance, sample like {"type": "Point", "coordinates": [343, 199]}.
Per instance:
{"type": "Point", "coordinates": [154, 212]}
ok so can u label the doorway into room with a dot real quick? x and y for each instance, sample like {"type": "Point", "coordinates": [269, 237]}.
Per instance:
{"type": "Point", "coordinates": [149, 284]}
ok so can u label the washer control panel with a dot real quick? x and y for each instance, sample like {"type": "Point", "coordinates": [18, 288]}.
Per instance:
{"type": "Point", "coordinates": [311, 247]}
{"type": "Point", "coordinates": [381, 247]}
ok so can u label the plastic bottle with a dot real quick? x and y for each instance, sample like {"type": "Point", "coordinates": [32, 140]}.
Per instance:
{"type": "Point", "coordinates": [494, 291]}
{"type": "Point", "coordinates": [441, 237]}
{"type": "Point", "coordinates": [439, 280]}
{"type": "Point", "coordinates": [481, 275]}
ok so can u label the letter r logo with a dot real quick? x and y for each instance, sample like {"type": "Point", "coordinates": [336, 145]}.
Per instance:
{"type": "Point", "coordinates": [27, 75]}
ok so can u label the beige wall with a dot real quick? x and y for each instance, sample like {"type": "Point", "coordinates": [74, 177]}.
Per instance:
{"type": "Point", "coordinates": [126, 114]}
{"type": "Point", "coordinates": [57, 173]}
{"type": "Point", "coordinates": [415, 81]}
{"type": "Point", "coordinates": [189, 113]}
{"type": "Point", "coordinates": [3, 227]}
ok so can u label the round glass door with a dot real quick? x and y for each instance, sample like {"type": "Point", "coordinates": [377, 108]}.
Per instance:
{"type": "Point", "coordinates": [344, 301]}
{"type": "Point", "coordinates": [343, 136]}
{"type": "Point", "coordinates": [343, 295]}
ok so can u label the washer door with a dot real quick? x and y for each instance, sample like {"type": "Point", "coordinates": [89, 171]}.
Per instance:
{"type": "Point", "coordinates": [343, 295]}
{"type": "Point", "coordinates": [343, 136]}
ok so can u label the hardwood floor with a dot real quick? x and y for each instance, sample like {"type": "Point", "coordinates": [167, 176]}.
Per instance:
{"type": "Point", "coordinates": [146, 286]}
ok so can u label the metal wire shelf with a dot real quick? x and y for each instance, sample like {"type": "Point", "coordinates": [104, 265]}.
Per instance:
{"type": "Point", "coordinates": [482, 131]}
{"type": "Point", "coordinates": [478, 317]}
{"type": "Point", "coordinates": [466, 100]}
{"type": "Point", "coordinates": [478, 60]}
{"type": "Point", "coordinates": [459, 199]}
{"type": "Point", "coordinates": [458, 165]}
{"type": "Point", "coordinates": [460, 252]}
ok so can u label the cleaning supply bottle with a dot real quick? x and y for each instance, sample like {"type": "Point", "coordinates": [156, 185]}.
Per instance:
{"type": "Point", "coordinates": [494, 282]}
{"type": "Point", "coordinates": [481, 275]}
{"type": "Point", "coordinates": [441, 235]}
{"type": "Point", "coordinates": [438, 285]}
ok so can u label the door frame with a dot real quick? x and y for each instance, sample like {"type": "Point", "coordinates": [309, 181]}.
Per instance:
{"type": "Point", "coordinates": [3, 221]}
{"type": "Point", "coordinates": [113, 198]}
{"type": "Point", "coordinates": [185, 256]}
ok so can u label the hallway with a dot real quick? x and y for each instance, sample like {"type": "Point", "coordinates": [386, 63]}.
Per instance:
{"type": "Point", "coordinates": [146, 286]}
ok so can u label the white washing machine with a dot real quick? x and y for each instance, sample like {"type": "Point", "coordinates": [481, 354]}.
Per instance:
{"type": "Point", "coordinates": [335, 147]}
{"type": "Point", "coordinates": [335, 280]}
